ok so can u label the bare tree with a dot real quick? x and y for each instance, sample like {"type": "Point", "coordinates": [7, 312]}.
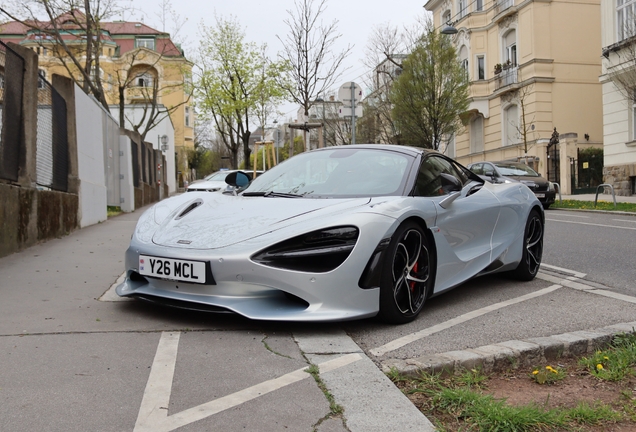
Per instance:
{"type": "Point", "coordinates": [308, 50]}
{"type": "Point", "coordinates": [74, 34]}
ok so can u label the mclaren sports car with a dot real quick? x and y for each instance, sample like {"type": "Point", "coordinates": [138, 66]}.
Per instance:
{"type": "Point", "coordinates": [337, 233]}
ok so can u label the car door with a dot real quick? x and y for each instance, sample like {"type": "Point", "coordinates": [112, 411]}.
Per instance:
{"type": "Point", "coordinates": [463, 228]}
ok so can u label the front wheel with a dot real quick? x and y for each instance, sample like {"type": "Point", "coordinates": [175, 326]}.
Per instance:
{"type": "Point", "coordinates": [532, 248]}
{"type": "Point", "coordinates": [407, 275]}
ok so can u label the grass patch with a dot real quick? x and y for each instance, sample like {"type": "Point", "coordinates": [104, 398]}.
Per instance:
{"type": "Point", "coordinates": [461, 402]}
{"type": "Point", "coordinates": [616, 362]}
{"type": "Point", "coordinates": [112, 211]}
{"type": "Point", "coordinates": [314, 371]}
{"type": "Point", "coordinates": [589, 205]}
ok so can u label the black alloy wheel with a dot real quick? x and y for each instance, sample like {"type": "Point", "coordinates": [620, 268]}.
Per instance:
{"type": "Point", "coordinates": [532, 248]}
{"type": "Point", "coordinates": [406, 277]}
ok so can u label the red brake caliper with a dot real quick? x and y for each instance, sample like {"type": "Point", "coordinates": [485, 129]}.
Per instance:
{"type": "Point", "coordinates": [412, 284]}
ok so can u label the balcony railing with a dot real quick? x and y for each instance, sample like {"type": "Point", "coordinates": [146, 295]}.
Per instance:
{"type": "Point", "coordinates": [507, 77]}
{"type": "Point", "coordinates": [502, 5]}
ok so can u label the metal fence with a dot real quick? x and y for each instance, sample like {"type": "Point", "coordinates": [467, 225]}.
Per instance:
{"type": "Point", "coordinates": [11, 89]}
{"type": "Point", "coordinates": [52, 143]}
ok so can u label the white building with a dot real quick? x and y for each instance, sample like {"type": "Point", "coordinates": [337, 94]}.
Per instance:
{"type": "Point", "coordinates": [619, 100]}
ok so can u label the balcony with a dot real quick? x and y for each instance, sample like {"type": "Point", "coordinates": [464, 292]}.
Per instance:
{"type": "Point", "coordinates": [507, 77]}
{"type": "Point", "coordinates": [502, 5]}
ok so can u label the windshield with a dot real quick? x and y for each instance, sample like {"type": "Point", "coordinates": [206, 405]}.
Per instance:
{"type": "Point", "coordinates": [337, 172]}
{"type": "Point", "coordinates": [515, 169]}
{"type": "Point", "coordinates": [217, 176]}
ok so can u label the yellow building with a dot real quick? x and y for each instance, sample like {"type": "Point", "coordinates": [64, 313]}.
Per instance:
{"type": "Point", "coordinates": [136, 61]}
{"type": "Point", "coordinates": [533, 67]}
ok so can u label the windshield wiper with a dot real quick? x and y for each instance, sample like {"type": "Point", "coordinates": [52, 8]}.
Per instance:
{"type": "Point", "coordinates": [272, 194]}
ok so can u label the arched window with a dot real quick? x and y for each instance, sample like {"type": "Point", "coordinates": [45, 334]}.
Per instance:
{"type": "Point", "coordinates": [510, 48]}
{"type": "Point", "coordinates": [463, 58]}
{"type": "Point", "coordinates": [511, 125]}
{"type": "Point", "coordinates": [144, 80]}
{"type": "Point", "coordinates": [477, 134]}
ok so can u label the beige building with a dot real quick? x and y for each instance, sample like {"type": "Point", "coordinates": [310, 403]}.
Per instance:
{"type": "Point", "coordinates": [138, 59]}
{"type": "Point", "coordinates": [533, 67]}
{"type": "Point", "coordinates": [619, 82]}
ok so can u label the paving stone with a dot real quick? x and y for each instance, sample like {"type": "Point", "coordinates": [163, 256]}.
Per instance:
{"type": "Point", "coordinates": [595, 338]}
{"type": "Point", "coordinates": [551, 348]}
{"type": "Point", "coordinates": [464, 359]}
{"type": "Point", "coordinates": [575, 345]}
{"type": "Point", "coordinates": [496, 358]}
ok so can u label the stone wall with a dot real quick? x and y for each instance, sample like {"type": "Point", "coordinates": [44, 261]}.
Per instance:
{"type": "Point", "coordinates": [620, 176]}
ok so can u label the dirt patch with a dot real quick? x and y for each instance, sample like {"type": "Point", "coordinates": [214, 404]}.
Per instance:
{"type": "Point", "coordinates": [519, 389]}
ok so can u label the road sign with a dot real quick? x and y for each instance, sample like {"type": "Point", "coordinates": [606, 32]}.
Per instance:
{"type": "Point", "coordinates": [344, 94]}
{"type": "Point", "coordinates": [345, 111]}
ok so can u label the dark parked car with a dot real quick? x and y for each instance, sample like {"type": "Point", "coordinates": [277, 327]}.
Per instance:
{"type": "Point", "coordinates": [505, 172]}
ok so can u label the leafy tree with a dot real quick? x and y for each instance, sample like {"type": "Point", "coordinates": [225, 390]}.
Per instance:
{"type": "Point", "coordinates": [308, 51]}
{"type": "Point", "coordinates": [234, 80]}
{"type": "Point", "coordinates": [430, 93]}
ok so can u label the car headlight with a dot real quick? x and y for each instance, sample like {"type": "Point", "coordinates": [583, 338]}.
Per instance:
{"type": "Point", "coordinates": [316, 252]}
{"type": "Point", "coordinates": [551, 187]}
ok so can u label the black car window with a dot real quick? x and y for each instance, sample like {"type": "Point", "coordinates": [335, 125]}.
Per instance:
{"type": "Point", "coordinates": [477, 168]}
{"type": "Point", "coordinates": [429, 182]}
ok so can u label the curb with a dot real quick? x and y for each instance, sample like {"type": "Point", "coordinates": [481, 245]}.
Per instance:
{"type": "Point", "coordinates": [511, 354]}
{"type": "Point", "coordinates": [614, 212]}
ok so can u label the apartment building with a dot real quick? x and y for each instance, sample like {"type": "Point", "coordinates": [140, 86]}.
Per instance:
{"type": "Point", "coordinates": [619, 102]}
{"type": "Point", "coordinates": [533, 67]}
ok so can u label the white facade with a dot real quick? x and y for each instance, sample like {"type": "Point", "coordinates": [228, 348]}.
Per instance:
{"type": "Point", "coordinates": [619, 125]}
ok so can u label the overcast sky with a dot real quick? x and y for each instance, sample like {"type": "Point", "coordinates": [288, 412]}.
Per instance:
{"type": "Point", "coordinates": [263, 21]}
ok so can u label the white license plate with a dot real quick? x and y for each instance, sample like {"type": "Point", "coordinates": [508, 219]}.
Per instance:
{"type": "Point", "coordinates": [174, 269]}
{"type": "Point", "coordinates": [540, 195]}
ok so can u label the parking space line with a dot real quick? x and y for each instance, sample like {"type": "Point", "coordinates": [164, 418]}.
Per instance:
{"type": "Point", "coordinates": [624, 220]}
{"type": "Point", "coordinates": [153, 413]}
{"type": "Point", "coordinates": [405, 340]}
{"type": "Point", "coordinates": [154, 405]}
{"type": "Point", "coordinates": [563, 270]}
{"type": "Point", "coordinates": [593, 224]}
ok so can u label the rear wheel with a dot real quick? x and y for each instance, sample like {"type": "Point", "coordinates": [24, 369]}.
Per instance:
{"type": "Point", "coordinates": [406, 276]}
{"type": "Point", "coordinates": [532, 248]}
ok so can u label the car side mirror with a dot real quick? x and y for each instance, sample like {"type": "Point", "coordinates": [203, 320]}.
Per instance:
{"type": "Point", "coordinates": [238, 179]}
{"type": "Point", "coordinates": [450, 183]}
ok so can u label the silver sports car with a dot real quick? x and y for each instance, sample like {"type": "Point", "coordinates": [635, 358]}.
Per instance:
{"type": "Point", "coordinates": [335, 234]}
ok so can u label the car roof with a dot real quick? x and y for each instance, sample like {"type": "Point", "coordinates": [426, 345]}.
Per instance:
{"type": "Point", "coordinates": [412, 151]}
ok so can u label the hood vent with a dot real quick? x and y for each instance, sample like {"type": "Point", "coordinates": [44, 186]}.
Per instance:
{"type": "Point", "coordinates": [189, 208]}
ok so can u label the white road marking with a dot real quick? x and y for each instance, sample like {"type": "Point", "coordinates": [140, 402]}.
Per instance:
{"type": "Point", "coordinates": [624, 220]}
{"type": "Point", "coordinates": [564, 270]}
{"type": "Point", "coordinates": [405, 340]}
{"type": "Point", "coordinates": [577, 285]}
{"type": "Point", "coordinates": [593, 224]}
{"type": "Point", "coordinates": [154, 405]}
{"type": "Point", "coordinates": [110, 295]}
{"type": "Point", "coordinates": [567, 214]}
{"type": "Point", "coordinates": [153, 414]}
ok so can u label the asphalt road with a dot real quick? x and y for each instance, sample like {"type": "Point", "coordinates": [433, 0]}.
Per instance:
{"type": "Point", "coordinates": [598, 244]}
{"type": "Point", "coordinates": [75, 358]}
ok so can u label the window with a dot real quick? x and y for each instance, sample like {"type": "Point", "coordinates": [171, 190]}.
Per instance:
{"type": "Point", "coordinates": [1, 80]}
{"type": "Point", "coordinates": [145, 43]}
{"type": "Point", "coordinates": [477, 134]}
{"type": "Point", "coordinates": [634, 114]}
{"type": "Point", "coordinates": [446, 17]}
{"type": "Point", "coordinates": [511, 125]}
{"type": "Point", "coordinates": [479, 5]}
{"type": "Point", "coordinates": [144, 80]}
{"type": "Point", "coordinates": [463, 58]}
{"type": "Point", "coordinates": [41, 78]}
{"type": "Point", "coordinates": [461, 8]}
{"type": "Point", "coordinates": [481, 67]}
{"type": "Point", "coordinates": [431, 182]}
{"type": "Point", "coordinates": [187, 116]}
{"type": "Point", "coordinates": [510, 48]}
{"type": "Point", "coordinates": [625, 10]}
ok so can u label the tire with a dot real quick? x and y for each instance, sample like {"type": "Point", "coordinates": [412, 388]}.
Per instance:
{"type": "Point", "coordinates": [532, 248]}
{"type": "Point", "coordinates": [407, 275]}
